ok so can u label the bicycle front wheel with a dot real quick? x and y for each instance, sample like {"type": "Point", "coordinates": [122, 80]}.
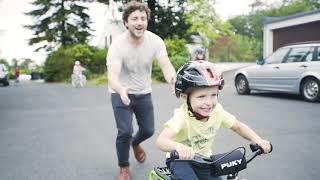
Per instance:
{"type": "Point", "coordinates": [154, 176]}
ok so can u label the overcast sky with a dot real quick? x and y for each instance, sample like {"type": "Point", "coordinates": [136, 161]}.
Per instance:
{"type": "Point", "coordinates": [13, 37]}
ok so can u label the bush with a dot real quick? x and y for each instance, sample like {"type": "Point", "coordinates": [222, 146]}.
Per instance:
{"type": "Point", "coordinates": [177, 47]}
{"type": "Point", "coordinates": [177, 62]}
{"type": "Point", "coordinates": [59, 64]}
{"type": "Point", "coordinates": [247, 49]}
{"type": "Point", "coordinates": [178, 53]}
{"type": "Point", "coordinates": [98, 61]}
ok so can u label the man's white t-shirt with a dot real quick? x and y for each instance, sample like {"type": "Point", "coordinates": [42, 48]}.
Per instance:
{"type": "Point", "coordinates": [136, 63]}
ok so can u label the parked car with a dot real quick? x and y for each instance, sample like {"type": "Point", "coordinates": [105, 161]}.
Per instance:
{"type": "Point", "coordinates": [291, 69]}
{"type": "Point", "coordinates": [4, 75]}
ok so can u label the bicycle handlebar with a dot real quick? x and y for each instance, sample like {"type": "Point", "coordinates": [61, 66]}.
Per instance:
{"type": "Point", "coordinates": [226, 163]}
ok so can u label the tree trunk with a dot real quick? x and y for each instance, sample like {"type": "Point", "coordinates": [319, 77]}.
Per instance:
{"type": "Point", "coordinates": [152, 6]}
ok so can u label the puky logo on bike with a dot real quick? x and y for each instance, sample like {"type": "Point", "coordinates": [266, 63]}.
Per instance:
{"type": "Point", "coordinates": [231, 163]}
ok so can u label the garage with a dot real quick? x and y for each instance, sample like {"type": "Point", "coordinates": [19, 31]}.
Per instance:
{"type": "Point", "coordinates": [281, 31]}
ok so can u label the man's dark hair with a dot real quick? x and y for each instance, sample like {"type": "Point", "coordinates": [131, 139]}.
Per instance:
{"type": "Point", "coordinates": [133, 6]}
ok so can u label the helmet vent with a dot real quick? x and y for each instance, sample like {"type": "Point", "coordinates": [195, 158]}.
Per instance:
{"type": "Point", "coordinates": [210, 73]}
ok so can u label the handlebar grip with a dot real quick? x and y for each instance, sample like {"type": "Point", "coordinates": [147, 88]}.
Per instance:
{"type": "Point", "coordinates": [174, 155]}
{"type": "Point", "coordinates": [271, 148]}
{"type": "Point", "coordinates": [256, 147]}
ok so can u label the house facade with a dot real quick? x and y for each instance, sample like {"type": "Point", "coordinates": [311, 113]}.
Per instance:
{"type": "Point", "coordinates": [113, 25]}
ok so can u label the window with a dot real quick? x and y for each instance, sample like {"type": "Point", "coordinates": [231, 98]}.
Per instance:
{"type": "Point", "coordinates": [277, 56]}
{"type": "Point", "coordinates": [299, 54]}
{"type": "Point", "coordinates": [318, 54]}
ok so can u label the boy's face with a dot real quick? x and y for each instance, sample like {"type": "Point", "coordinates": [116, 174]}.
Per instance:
{"type": "Point", "coordinates": [203, 100]}
{"type": "Point", "coordinates": [137, 23]}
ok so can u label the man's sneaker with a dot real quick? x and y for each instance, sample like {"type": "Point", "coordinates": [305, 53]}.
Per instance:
{"type": "Point", "coordinates": [139, 153]}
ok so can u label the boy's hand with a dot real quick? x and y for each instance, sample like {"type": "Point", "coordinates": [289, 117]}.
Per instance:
{"type": "Point", "coordinates": [185, 152]}
{"type": "Point", "coordinates": [266, 146]}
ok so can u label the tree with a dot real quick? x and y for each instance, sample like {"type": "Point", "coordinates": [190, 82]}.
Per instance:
{"type": "Point", "coordinates": [58, 23]}
{"type": "Point", "coordinates": [25, 63]}
{"type": "Point", "coordinates": [167, 17]}
{"type": "Point", "coordinates": [241, 25]}
{"type": "Point", "coordinates": [169, 20]}
{"type": "Point", "coordinates": [251, 26]}
{"type": "Point", "coordinates": [5, 62]}
{"type": "Point", "coordinates": [206, 23]}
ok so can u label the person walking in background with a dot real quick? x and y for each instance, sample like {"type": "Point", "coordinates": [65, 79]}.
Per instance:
{"type": "Point", "coordinates": [17, 73]}
{"type": "Point", "coordinates": [129, 63]}
{"type": "Point", "coordinates": [78, 78]}
{"type": "Point", "coordinates": [77, 68]}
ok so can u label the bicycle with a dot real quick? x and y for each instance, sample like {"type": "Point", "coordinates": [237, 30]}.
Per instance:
{"type": "Point", "coordinates": [78, 80]}
{"type": "Point", "coordinates": [226, 164]}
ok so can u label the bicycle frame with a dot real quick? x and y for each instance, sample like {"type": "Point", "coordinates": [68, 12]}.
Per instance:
{"type": "Point", "coordinates": [78, 80]}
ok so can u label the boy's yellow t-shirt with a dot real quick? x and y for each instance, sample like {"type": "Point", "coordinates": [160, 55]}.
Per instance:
{"type": "Point", "coordinates": [196, 134]}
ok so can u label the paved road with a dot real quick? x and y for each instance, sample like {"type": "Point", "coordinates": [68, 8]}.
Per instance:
{"type": "Point", "coordinates": [56, 132]}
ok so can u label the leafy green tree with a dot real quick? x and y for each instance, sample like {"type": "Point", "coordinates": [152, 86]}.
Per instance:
{"type": "Point", "coordinates": [206, 23]}
{"type": "Point", "coordinates": [251, 26]}
{"type": "Point", "coordinates": [98, 61]}
{"type": "Point", "coordinates": [14, 62]}
{"type": "Point", "coordinates": [176, 47]}
{"type": "Point", "coordinates": [241, 25]}
{"type": "Point", "coordinates": [313, 4]}
{"type": "Point", "coordinates": [167, 17]}
{"type": "Point", "coordinates": [204, 19]}
{"type": "Point", "coordinates": [25, 63]}
{"type": "Point", "coordinates": [292, 7]}
{"type": "Point", "coordinates": [58, 23]}
{"type": "Point", "coordinates": [170, 20]}
{"type": "Point", "coordinates": [5, 62]}
{"type": "Point", "coordinates": [246, 49]}
{"type": "Point", "coordinates": [178, 54]}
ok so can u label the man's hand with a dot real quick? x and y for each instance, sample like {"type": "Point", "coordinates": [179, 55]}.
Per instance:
{"type": "Point", "coordinates": [124, 96]}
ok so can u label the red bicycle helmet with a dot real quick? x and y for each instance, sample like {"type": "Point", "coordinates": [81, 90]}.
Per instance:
{"type": "Point", "coordinates": [197, 74]}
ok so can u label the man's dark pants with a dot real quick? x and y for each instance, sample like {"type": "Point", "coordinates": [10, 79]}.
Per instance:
{"type": "Point", "coordinates": [142, 107]}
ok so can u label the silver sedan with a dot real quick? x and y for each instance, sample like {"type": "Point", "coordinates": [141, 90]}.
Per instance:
{"type": "Point", "coordinates": [291, 69]}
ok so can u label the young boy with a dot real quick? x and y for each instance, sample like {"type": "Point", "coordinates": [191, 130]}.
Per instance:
{"type": "Point", "coordinates": [194, 125]}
